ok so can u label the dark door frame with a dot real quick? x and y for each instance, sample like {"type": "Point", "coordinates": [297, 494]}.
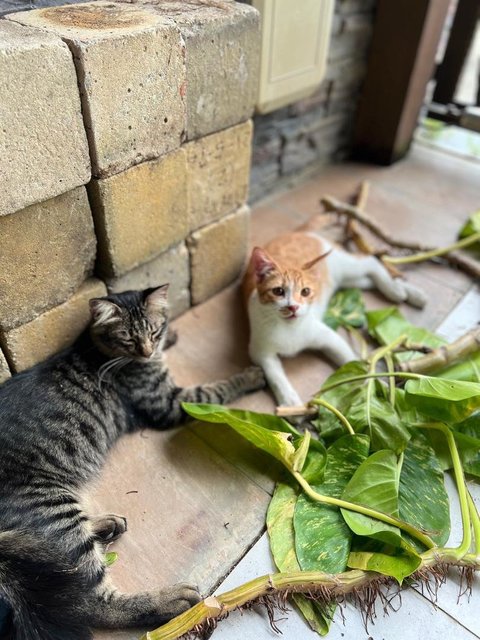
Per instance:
{"type": "Point", "coordinates": [401, 63]}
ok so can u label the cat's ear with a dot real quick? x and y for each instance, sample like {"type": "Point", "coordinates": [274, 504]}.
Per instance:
{"type": "Point", "coordinates": [309, 265]}
{"type": "Point", "coordinates": [262, 263]}
{"type": "Point", "coordinates": [104, 311]}
{"type": "Point", "coordinates": [156, 298]}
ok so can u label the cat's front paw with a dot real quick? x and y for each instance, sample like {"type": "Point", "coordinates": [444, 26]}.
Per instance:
{"type": "Point", "coordinates": [177, 599]}
{"type": "Point", "coordinates": [253, 379]}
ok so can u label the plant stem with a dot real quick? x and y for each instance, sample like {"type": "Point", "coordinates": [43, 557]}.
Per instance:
{"type": "Point", "coordinates": [433, 253]}
{"type": "Point", "coordinates": [391, 380]}
{"type": "Point", "coordinates": [323, 403]}
{"type": "Point", "coordinates": [367, 376]}
{"type": "Point", "coordinates": [328, 588]}
{"type": "Point", "coordinates": [475, 522]}
{"type": "Point", "coordinates": [461, 488]}
{"type": "Point", "coordinates": [366, 511]}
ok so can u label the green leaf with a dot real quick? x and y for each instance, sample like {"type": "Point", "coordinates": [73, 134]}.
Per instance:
{"type": "Point", "coordinates": [398, 565]}
{"type": "Point", "coordinates": [423, 500]}
{"type": "Point", "coordinates": [301, 452]}
{"type": "Point", "coordinates": [374, 484]}
{"type": "Point", "coordinates": [471, 226]}
{"type": "Point", "coordinates": [467, 439]}
{"type": "Point", "coordinates": [468, 369]}
{"type": "Point", "coordinates": [110, 558]}
{"type": "Point", "coordinates": [282, 545]}
{"type": "Point", "coordinates": [381, 421]}
{"type": "Point", "coordinates": [346, 309]}
{"type": "Point", "coordinates": [448, 401]}
{"type": "Point", "coordinates": [257, 428]}
{"type": "Point", "coordinates": [341, 397]}
{"type": "Point", "coordinates": [322, 539]}
{"type": "Point", "coordinates": [315, 462]}
{"type": "Point", "coordinates": [387, 324]}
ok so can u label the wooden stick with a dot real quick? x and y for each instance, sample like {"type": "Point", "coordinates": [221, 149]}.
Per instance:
{"type": "Point", "coordinates": [466, 264]}
{"type": "Point", "coordinates": [444, 355]}
{"type": "Point", "coordinates": [353, 230]}
{"type": "Point", "coordinates": [286, 412]}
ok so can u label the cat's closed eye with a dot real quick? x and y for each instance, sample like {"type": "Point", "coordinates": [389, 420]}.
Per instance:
{"type": "Point", "coordinates": [278, 291]}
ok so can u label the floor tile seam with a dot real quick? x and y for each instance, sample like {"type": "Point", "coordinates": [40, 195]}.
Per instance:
{"type": "Point", "coordinates": [439, 607]}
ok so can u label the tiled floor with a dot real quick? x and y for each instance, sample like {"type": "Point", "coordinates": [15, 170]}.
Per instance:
{"type": "Point", "coordinates": [196, 498]}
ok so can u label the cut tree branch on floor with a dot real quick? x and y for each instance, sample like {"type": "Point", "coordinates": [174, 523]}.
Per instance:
{"type": "Point", "coordinates": [423, 252]}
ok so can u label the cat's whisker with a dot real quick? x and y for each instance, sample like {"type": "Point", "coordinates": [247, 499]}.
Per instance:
{"type": "Point", "coordinates": [106, 368]}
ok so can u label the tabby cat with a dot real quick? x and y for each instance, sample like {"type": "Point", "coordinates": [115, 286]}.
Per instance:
{"type": "Point", "coordinates": [57, 422]}
{"type": "Point", "coordinates": [287, 287]}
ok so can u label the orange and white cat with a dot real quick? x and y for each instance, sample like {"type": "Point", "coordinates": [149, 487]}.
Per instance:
{"type": "Point", "coordinates": [287, 287]}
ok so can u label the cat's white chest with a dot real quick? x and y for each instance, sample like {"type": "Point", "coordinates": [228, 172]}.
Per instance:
{"type": "Point", "coordinates": [285, 337]}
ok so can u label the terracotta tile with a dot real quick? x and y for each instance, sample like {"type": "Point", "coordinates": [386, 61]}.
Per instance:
{"type": "Point", "coordinates": [191, 514]}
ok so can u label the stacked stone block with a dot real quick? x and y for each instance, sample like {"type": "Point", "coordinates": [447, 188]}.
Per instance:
{"type": "Point", "coordinates": [138, 176]}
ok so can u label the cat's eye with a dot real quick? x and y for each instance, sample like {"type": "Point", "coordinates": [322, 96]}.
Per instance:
{"type": "Point", "coordinates": [278, 291]}
{"type": "Point", "coordinates": [305, 292]}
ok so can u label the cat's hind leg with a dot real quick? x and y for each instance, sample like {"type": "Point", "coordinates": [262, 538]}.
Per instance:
{"type": "Point", "coordinates": [367, 272]}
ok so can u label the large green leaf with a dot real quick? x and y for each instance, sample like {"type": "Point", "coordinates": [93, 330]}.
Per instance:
{"type": "Point", "coordinates": [387, 324]}
{"type": "Point", "coordinates": [467, 437]}
{"type": "Point", "coordinates": [314, 466]}
{"type": "Point", "coordinates": [375, 484]}
{"type": "Point", "coordinates": [398, 565]}
{"type": "Point", "coordinates": [346, 309]}
{"type": "Point", "coordinates": [423, 500]}
{"type": "Point", "coordinates": [448, 401]}
{"type": "Point", "coordinates": [257, 428]}
{"type": "Point", "coordinates": [322, 539]}
{"type": "Point", "coordinates": [341, 397]}
{"type": "Point", "coordinates": [380, 420]}
{"type": "Point", "coordinates": [282, 544]}
{"type": "Point", "coordinates": [468, 369]}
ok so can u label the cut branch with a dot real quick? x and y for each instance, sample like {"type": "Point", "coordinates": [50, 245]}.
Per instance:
{"type": "Point", "coordinates": [449, 254]}
{"type": "Point", "coordinates": [444, 355]}
{"type": "Point", "coordinates": [322, 587]}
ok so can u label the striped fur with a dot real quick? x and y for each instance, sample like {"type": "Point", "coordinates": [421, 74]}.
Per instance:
{"type": "Point", "coordinates": [58, 421]}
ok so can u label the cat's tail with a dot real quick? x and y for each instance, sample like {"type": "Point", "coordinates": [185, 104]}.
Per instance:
{"type": "Point", "coordinates": [39, 595]}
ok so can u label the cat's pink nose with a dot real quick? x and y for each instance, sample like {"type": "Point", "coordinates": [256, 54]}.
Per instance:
{"type": "Point", "coordinates": [147, 350]}
{"type": "Point", "coordinates": [293, 307]}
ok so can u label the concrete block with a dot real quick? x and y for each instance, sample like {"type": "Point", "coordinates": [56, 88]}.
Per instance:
{"type": "Point", "coordinates": [43, 146]}
{"type": "Point", "coordinates": [131, 67]}
{"type": "Point", "coordinates": [217, 254]}
{"type": "Point", "coordinates": [51, 331]}
{"type": "Point", "coordinates": [47, 251]}
{"type": "Point", "coordinates": [140, 213]}
{"type": "Point", "coordinates": [4, 368]}
{"type": "Point", "coordinates": [171, 266]}
{"type": "Point", "coordinates": [218, 173]}
{"type": "Point", "coordinates": [222, 46]}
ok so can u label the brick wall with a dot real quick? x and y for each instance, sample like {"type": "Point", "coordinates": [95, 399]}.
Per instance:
{"type": "Point", "coordinates": [316, 130]}
{"type": "Point", "coordinates": [125, 159]}
{"type": "Point", "coordinates": [126, 149]}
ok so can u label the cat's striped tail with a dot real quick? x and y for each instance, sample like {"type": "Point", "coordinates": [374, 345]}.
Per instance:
{"type": "Point", "coordinates": [39, 595]}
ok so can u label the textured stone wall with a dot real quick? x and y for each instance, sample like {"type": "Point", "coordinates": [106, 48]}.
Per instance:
{"type": "Point", "coordinates": [125, 159]}
{"type": "Point", "coordinates": [317, 129]}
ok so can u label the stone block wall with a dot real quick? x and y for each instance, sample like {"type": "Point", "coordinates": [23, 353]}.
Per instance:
{"type": "Point", "coordinates": [318, 129]}
{"type": "Point", "coordinates": [126, 148]}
